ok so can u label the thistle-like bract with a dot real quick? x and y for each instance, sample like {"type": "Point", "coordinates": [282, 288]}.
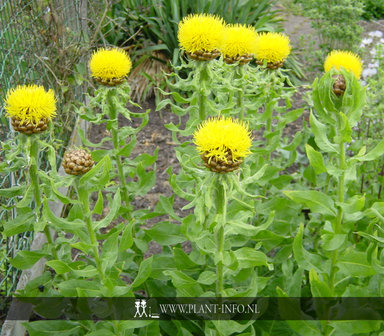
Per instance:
{"type": "Point", "coordinates": [273, 48]}
{"type": "Point", "coordinates": [223, 143]}
{"type": "Point", "coordinates": [201, 35]}
{"type": "Point", "coordinates": [110, 66]}
{"type": "Point", "coordinates": [239, 43]}
{"type": "Point", "coordinates": [30, 107]}
{"type": "Point", "coordinates": [77, 162]}
{"type": "Point", "coordinates": [346, 59]}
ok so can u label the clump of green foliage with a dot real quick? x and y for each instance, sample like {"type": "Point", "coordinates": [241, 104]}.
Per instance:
{"type": "Point", "coordinates": [336, 22]}
{"type": "Point", "coordinates": [373, 9]}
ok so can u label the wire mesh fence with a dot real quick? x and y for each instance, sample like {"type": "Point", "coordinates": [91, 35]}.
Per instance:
{"type": "Point", "coordinates": [41, 42]}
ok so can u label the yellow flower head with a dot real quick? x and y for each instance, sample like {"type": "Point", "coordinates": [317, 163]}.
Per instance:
{"type": "Point", "coordinates": [346, 59]}
{"type": "Point", "coordinates": [201, 32]}
{"type": "Point", "coordinates": [30, 104]}
{"type": "Point", "coordinates": [109, 64]}
{"type": "Point", "coordinates": [272, 47]}
{"type": "Point", "coordinates": [239, 40]}
{"type": "Point", "coordinates": [223, 139]}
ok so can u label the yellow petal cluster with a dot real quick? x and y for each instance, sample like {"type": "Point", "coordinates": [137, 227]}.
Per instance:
{"type": "Point", "coordinates": [201, 32]}
{"type": "Point", "coordinates": [216, 136]}
{"type": "Point", "coordinates": [272, 47]}
{"type": "Point", "coordinates": [346, 59]}
{"type": "Point", "coordinates": [30, 104]}
{"type": "Point", "coordinates": [239, 40]}
{"type": "Point", "coordinates": [109, 64]}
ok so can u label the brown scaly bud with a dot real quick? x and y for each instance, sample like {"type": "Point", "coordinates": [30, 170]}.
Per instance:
{"type": "Point", "coordinates": [339, 85]}
{"type": "Point", "coordinates": [271, 65]}
{"type": "Point", "coordinates": [199, 55]}
{"type": "Point", "coordinates": [77, 162]}
{"type": "Point", "coordinates": [28, 128]}
{"type": "Point", "coordinates": [243, 59]}
{"type": "Point", "coordinates": [110, 81]}
{"type": "Point", "coordinates": [220, 166]}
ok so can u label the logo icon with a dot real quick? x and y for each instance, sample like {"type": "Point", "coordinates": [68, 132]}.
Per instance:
{"type": "Point", "coordinates": [141, 310]}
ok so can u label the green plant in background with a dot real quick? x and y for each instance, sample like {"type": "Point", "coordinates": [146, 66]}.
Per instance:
{"type": "Point", "coordinates": [369, 132]}
{"type": "Point", "coordinates": [373, 9]}
{"type": "Point", "coordinates": [159, 19]}
{"type": "Point", "coordinates": [150, 28]}
{"type": "Point", "coordinates": [336, 23]}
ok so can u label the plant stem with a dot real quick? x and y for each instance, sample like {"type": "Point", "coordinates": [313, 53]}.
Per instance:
{"type": "Point", "coordinates": [339, 216]}
{"type": "Point", "coordinates": [83, 195]}
{"type": "Point", "coordinates": [203, 77]}
{"type": "Point", "coordinates": [240, 94]}
{"type": "Point", "coordinates": [116, 141]}
{"type": "Point", "coordinates": [221, 201]}
{"type": "Point", "coordinates": [34, 178]}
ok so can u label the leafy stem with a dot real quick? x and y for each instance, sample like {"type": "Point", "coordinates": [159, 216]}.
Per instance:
{"type": "Point", "coordinates": [240, 94]}
{"type": "Point", "coordinates": [113, 116]}
{"type": "Point", "coordinates": [34, 178]}
{"type": "Point", "coordinates": [221, 201]}
{"type": "Point", "coordinates": [203, 77]}
{"type": "Point", "coordinates": [83, 195]}
{"type": "Point", "coordinates": [340, 197]}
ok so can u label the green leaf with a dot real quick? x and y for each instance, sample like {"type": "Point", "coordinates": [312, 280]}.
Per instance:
{"type": "Point", "coordinates": [110, 251]}
{"type": "Point", "coordinates": [86, 272]}
{"type": "Point", "coordinates": [26, 259]}
{"type": "Point", "coordinates": [104, 166]}
{"type": "Point", "coordinates": [134, 324]}
{"type": "Point", "coordinates": [20, 224]}
{"type": "Point", "coordinates": [332, 241]}
{"type": "Point", "coordinates": [207, 278]}
{"type": "Point", "coordinates": [185, 285]}
{"type": "Point", "coordinates": [304, 258]}
{"type": "Point", "coordinates": [99, 206]}
{"type": "Point", "coordinates": [145, 270]}
{"type": "Point", "coordinates": [101, 332]}
{"type": "Point", "coordinates": [376, 239]}
{"type": "Point", "coordinates": [51, 328]}
{"type": "Point", "coordinates": [346, 130]}
{"type": "Point", "coordinates": [27, 198]}
{"type": "Point", "coordinates": [160, 264]}
{"type": "Point", "coordinates": [362, 327]}
{"type": "Point", "coordinates": [318, 287]}
{"type": "Point", "coordinates": [373, 154]}
{"type": "Point", "coordinates": [249, 257]}
{"type": "Point", "coordinates": [60, 267]}
{"type": "Point", "coordinates": [72, 288]}
{"type": "Point", "coordinates": [13, 191]}
{"type": "Point", "coordinates": [63, 199]}
{"type": "Point", "coordinates": [165, 206]}
{"type": "Point", "coordinates": [304, 326]}
{"type": "Point", "coordinates": [317, 201]}
{"type": "Point", "coordinates": [165, 233]}
{"type": "Point", "coordinates": [115, 205]}
{"type": "Point", "coordinates": [235, 327]}
{"type": "Point", "coordinates": [60, 223]}
{"type": "Point", "coordinates": [315, 159]}
{"type": "Point", "coordinates": [320, 132]}
{"type": "Point", "coordinates": [355, 264]}
{"type": "Point", "coordinates": [126, 240]}
{"type": "Point", "coordinates": [182, 259]}
{"type": "Point", "coordinates": [146, 180]}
